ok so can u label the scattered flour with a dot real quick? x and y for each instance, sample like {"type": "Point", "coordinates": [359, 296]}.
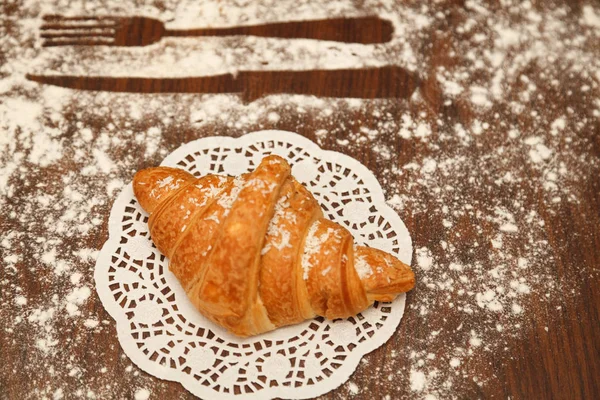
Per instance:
{"type": "Point", "coordinates": [353, 389]}
{"type": "Point", "coordinates": [142, 394]}
{"type": "Point", "coordinates": [424, 258]}
{"type": "Point", "coordinates": [417, 381]}
{"type": "Point", "coordinates": [461, 157]}
{"type": "Point", "coordinates": [91, 323]}
{"type": "Point", "coordinates": [76, 298]}
{"type": "Point", "coordinates": [590, 17]}
{"type": "Point", "coordinates": [21, 300]}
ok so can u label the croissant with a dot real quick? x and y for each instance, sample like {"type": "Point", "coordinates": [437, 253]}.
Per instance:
{"type": "Point", "coordinates": [254, 252]}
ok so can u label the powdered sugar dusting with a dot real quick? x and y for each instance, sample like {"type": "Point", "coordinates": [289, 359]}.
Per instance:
{"type": "Point", "coordinates": [362, 267]}
{"type": "Point", "coordinates": [275, 230]}
{"type": "Point", "coordinates": [312, 245]}
{"type": "Point", "coordinates": [226, 200]}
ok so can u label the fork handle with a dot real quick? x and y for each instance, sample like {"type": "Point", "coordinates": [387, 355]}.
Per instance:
{"type": "Point", "coordinates": [365, 30]}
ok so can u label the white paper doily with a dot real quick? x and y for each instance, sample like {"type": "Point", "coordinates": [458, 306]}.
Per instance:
{"type": "Point", "coordinates": [166, 336]}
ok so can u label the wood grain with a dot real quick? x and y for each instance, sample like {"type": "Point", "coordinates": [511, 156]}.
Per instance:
{"type": "Point", "coordinates": [361, 83]}
{"type": "Point", "coordinates": [560, 363]}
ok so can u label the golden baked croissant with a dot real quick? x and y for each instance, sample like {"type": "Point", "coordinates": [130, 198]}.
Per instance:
{"type": "Point", "coordinates": [254, 252]}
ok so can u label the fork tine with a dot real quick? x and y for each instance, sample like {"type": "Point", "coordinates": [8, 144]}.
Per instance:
{"type": "Point", "coordinates": [63, 34]}
{"type": "Point", "coordinates": [74, 26]}
{"type": "Point", "coordinates": [82, 41]}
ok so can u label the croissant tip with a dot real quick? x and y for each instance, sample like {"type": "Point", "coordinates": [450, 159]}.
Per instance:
{"type": "Point", "coordinates": [152, 184]}
{"type": "Point", "coordinates": [383, 275]}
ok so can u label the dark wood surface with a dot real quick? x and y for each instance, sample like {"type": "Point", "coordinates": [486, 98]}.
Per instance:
{"type": "Point", "coordinates": [364, 83]}
{"type": "Point", "coordinates": [555, 353]}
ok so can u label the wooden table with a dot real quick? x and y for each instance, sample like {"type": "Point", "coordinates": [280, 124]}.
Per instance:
{"type": "Point", "coordinates": [479, 148]}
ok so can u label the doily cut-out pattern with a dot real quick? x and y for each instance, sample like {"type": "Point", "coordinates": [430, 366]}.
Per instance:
{"type": "Point", "coordinates": [166, 336]}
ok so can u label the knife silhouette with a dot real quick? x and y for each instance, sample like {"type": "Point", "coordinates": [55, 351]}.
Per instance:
{"type": "Point", "coordinates": [384, 82]}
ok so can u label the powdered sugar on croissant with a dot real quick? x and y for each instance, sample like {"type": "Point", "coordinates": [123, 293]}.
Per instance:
{"type": "Point", "coordinates": [254, 252]}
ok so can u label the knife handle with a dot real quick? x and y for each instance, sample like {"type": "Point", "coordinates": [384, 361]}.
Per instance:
{"type": "Point", "coordinates": [368, 83]}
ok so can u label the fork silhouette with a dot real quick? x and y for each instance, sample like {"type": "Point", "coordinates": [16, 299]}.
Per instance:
{"type": "Point", "coordinates": [58, 30]}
